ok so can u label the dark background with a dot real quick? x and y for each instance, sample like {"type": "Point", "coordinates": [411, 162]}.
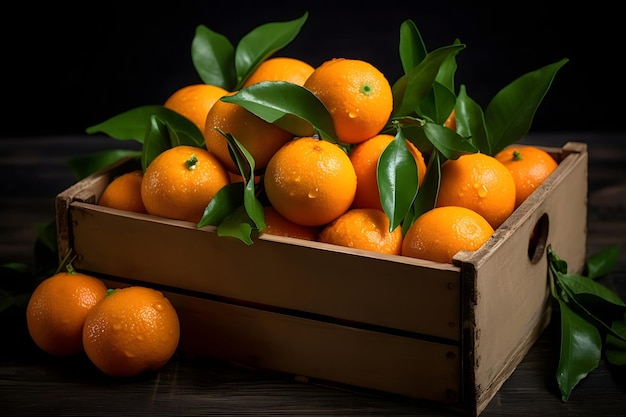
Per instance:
{"type": "Point", "coordinates": [69, 67]}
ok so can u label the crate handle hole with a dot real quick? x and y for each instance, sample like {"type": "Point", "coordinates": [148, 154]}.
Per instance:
{"type": "Point", "coordinates": [538, 239]}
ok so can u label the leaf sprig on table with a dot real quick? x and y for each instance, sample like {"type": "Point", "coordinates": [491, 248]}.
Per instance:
{"type": "Point", "coordinates": [590, 313]}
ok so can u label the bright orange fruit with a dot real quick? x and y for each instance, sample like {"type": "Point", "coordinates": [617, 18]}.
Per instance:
{"type": "Point", "coordinates": [357, 95]}
{"type": "Point", "coordinates": [479, 182]}
{"type": "Point", "coordinates": [529, 165]}
{"type": "Point", "coordinates": [280, 226]}
{"type": "Point", "coordinates": [194, 101]}
{"type": "Point", "coordinates": [124, 193]}
{"type": "Point", "coordinates": [440, 233]}
{"type": "Point", "coordinates": [310, 181]}
{"type": "Point", "coordinates": [288, 69]}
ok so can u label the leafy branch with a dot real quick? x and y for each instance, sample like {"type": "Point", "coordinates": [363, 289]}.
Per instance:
{"type": "Point", "coordinates": [589, 313]}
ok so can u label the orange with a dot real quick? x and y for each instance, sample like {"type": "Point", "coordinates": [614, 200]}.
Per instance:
{"type": "Point", "coordinates": [450, 122]}
{"type": "Point", "coordinates": [479, 182]}
{"type": "Point", "coordinates": [438, 234]}
{"type": "Point", "coordinates": [57, 309]}
{"type": "Point", "coordinates": [181, 181]}
{"type": "Point", "coordinates": [366, 228]}
{"type": "Point", "coordinates": [194, 101]}
{"type": "Point", "coordinates": [132, 330]}
{"type": "Point", "coordinates": [310, 181]}
{"type": "Point", "coordinates": [288, 69]}
{"type": "Point", "coordinates": [280, 226]}
{"type": "Point", "coordinates": [364, 157]}
{"type": "Point", "coordinates": [124, 193]}
{"type": "Point", "coordinates": [260, 138]}
{"type": "Point", "coordinates": [529, 165]}
{"type": "Point", "coordinates": [357, 95]}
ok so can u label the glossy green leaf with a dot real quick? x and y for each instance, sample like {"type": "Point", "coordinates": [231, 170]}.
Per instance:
{"type": "Point", "coordinates": [273, 101]}
{"type": "Point", "coordinates": [133, 124]}
{"type": "Point", "coordinates": [616, 348]}
{"type": "Point", "coordinates": [603, 262]}
{"type": "Point", "coordinates": [225, 202]}
{"type": "Point", "coordinates": [412, 49]}
{"type": "Point", "coordinates": [470, 122]}
{"type": "Point", "coordinates": [448, 142]}
{"type": "Point", "coordinates": [156, 141]}
{"type": "Point", "coordinates": [262, 42]}
{"type": "Point", "coordinates": [447, 71]}
{"type": "Point", "coordinates": [412, 88]}
{"type": "Point", "coordinates": [396, 174]}
{"type": "Point", "coordinates": [213, 56]}
{"type": "Point", "coordinates": [246, 165]}
{"type": "Point", "coordinates": [581, 348]}
{"type": "Point", "coordinates": [580, 285]}
{"type": "Point", "coordinates": [438, 105]}
{"type": "Point", "coordinates": [238, 225]}
{"type": "Point", "coordinates": [83, 166]}
{"type": "Point", "coordinates": [427, 193]}
{"type": "Point", "coordinates": [510, 113]}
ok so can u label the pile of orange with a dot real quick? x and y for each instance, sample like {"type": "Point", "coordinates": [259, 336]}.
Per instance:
{"type": "Point", "coordinates": [324, 191]}
{"type": "Point", "coordinates": [124, 332]}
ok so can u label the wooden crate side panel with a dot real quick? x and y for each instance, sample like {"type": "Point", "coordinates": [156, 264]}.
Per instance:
{"type": "Point", "coordinates": [277, 342]}
{"type": "Point", "coordinates": [510, 300]}
{"type": "Point", "coordinates": [369, 289]}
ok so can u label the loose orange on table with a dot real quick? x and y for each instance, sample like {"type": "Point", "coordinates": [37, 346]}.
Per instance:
{"type": "Point", "coordinates": [479, 182]}
{"type": "Point", "coordinates": [124, 193]}
{"type": "Point", "coordinates": [529, 165]}
{"type": "Point", "coordinates": [357, 95]}
{"type": "Point", "coordinates": [310, 181]}
{"type": "Point", "coordinates": [132, 330]}
{"type": "Point", "coordinates": [57, 309]}
{"type": "Point", "coordinates": [260, 138]}
{"type": "Point", "coordinates": [281, 68]}
{"type": "Point", "coordinates": [181, 181]}
{"type": "Point", "coordinates": [364, 158]}
{"type": "Point", "coordinates": [440, 233]}
{"type": "Point", "coordinates": [194, 101]}
{"type": "Point", "coordinates": [364, 228]}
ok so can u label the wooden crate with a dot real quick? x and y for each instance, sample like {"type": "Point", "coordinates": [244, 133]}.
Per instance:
{"type": "Point", "coordinates": [450, 334]}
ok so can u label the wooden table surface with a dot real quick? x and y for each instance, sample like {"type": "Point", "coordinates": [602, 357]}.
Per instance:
{"type": "Point", "coordinates": [33, 170]}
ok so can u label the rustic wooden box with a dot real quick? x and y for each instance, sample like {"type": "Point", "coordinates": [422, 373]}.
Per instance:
{"type": "Point", "coordinates": [451, 334]}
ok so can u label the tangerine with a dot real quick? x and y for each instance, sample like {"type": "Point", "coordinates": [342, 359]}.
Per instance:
{"type": "Point", "coordinates": [57, 309]}
{"type": "Point", "coordinates": [132, 330]}
{"type": "Point", "coordinates": [479, 182]}
{"type": "Point", "coordinates": [364, 157]}
{"type": "Point", "coordinates": [310, 181]}
{"type": "Point", "coordinates": [288, 69]}
{"type": "Point", "coordinates": [181, 181]}
{"type": "Point", "coordinates": [260, 138]}
{"type": "Point", "coordinates": [124, 193]}
{"type": "Point", "coordinates": [529, 165]}
{"type": "Point", "coordinates": [280, 226]}
{"type": "Point", "coordinates": [357, 95]}
{"type": "Point", "coordinates": [363, 228]}
{"type": "Point", "coordinates": [440, 233]}
{"type": "Point", "coordinates": [194, 101]}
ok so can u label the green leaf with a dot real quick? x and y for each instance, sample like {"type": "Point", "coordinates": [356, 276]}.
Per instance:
{"type": "Point", "coordinates": [510, 113]}
{"type": "Point", "coordinates": [133, 124]}
{"type": "Point", "coordinates": [83, 166]}
{"type": "Point", "coordinates": [396, 174]}
{"type": "Point", "coordinates": [580, 285]}
{"type": "Point", "coordinates": [275, 101]}
{"type": "Point", "coordinates": [412, 49]}
{"type": "Point", "coordinates": [262, 42]}
{"type": "Point", "coordinates": [581, 348]}
{"type": "Point", "coordinates": [615, 349]}
{"type": "Point", "coordinates": [427, 194]}
{"type": "Point", "coordinates": [601, 263]}
{"type": "Point", "coordinates": [448, 142]}
{"type": "Point", "coordinates": [225, 202]}
{"type": "Point", "coordinates": [238, 225]}
{"type": "Point", "coordinates": [213, 56]}
{"type": "Point", "coordinates": [437, 105]}
{"type": "Point", "coordinates": [470, 122]}
{"type": "Point", "coordinates": [412, 88]}
{"type": "Point", "coordinates": [157, 140]}
{"type": "Point", "coordinates": [246, 165]}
